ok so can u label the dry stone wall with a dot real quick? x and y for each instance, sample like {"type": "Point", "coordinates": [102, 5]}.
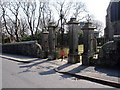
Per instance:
{"type": "Point", "coordinates": [29, 48]}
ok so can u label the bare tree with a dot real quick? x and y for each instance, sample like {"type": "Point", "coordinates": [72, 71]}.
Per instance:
{"type": "Point", "coordinates": [14, 8]}
{"type": "Point", "coordinates": [6, 23]}
{"type": "Point", "coordinates": [70, 9]}
{"type": "Point", "coordinates": [64, 6]}
{"type": "Point", "coordinates": [29, 10]}
{"type": "Point", "coordinates": [23, 28]}
{"type": "Point", "coordinates": [89, 17]}
{"type": "Point", "coordinates": [79, 9]}
{"type": "Point", "coordinates": [99, 26]}
{"type": "Point", "coordinates": [19, 17]}
{"type": "Point", "coordinates": [39, 16]}
{"type": "Point", "coordinates": [46, 14]}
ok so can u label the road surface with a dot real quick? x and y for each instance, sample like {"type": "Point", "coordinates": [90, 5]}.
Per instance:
{"type": "Point", "coordinates": [39, 74]}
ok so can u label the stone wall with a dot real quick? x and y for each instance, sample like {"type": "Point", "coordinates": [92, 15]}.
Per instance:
{"type": "Point", "coordinates": [109, 54]}
{"type": "Point", "coordinates": [29, 48]}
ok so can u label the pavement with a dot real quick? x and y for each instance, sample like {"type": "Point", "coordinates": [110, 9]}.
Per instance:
{"type": "Point", "coordinates": [18, 58]}
{"type": "Point", "coordinates": [106, 76]}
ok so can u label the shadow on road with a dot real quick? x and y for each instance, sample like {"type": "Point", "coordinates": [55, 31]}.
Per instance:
{"type": "Point", "coordinates": [109, 71]}
{"type": "Point", "coordinates": [50, 68]}
{"type": "Point", "coordinates": [78, 69]}
{"type": "Point", "coordinates": [33, 64]}
{"type": "Point", "coordinates": [64, 66]}
{"type": "Point", "coordinates": [26, 70]}
{"type": "Point", "coordinates": [51, 71]}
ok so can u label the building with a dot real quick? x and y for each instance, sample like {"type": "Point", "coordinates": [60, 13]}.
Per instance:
{"type": "Point", "coordinates": [112, 20]}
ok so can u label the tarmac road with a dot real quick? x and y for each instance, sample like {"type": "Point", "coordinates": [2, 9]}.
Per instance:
{"type": "Point", "coordinates": [40, 74]}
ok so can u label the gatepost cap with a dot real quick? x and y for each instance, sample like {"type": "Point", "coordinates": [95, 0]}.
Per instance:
{"type": "Point", "coordinates": [51, 24]}
{"type": "Point", "coordinates": [73, 21]}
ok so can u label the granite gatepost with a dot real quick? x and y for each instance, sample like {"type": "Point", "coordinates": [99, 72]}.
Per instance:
{"type": "Point", "coordinates": [51, 41]}
{"type": "Point", "coordinates": [45, 46]}
{"type": "Point", "coordinates": [88, 42]}
{"type": "Point", "coordinates": [73, 56]}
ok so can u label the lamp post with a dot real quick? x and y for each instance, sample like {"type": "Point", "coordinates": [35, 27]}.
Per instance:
{"type": "Point", "coordinates": [73, 56]}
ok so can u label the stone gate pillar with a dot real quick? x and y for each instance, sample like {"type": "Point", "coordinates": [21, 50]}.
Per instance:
{"type": "Point", "coordinates": [88, 42]}
{"type": "Point", "coordinates": [73, 56]}
{"type": "Point", "coordinates": [51, 41]}
{"type": "Point", "coordinates": [45, 43]}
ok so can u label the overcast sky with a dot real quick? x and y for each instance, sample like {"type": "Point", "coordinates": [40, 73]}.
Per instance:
{"type": "Point", "coordinates": [97, 8]}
